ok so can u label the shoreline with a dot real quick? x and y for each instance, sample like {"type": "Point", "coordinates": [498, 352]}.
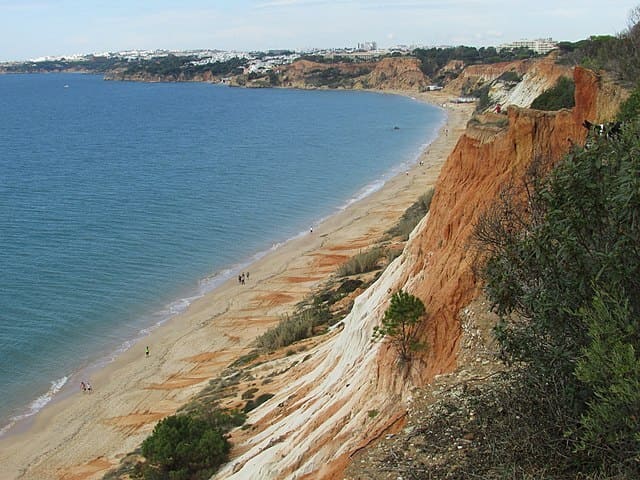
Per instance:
{"type": "Point", "coordinates": [84, 435]}
{"type": "Point", "coordinates": [67, 385]}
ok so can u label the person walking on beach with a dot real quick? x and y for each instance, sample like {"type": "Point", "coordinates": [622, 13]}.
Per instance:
{"type": "Point", "coordinates": [146, 351]}
{"type": "Point", "coordinates": [83, 387]}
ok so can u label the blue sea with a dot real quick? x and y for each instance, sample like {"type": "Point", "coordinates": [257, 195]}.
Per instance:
{"type": "Point", "coordinates": [122, 202]}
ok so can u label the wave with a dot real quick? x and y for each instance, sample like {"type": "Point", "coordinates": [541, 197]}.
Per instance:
{"type": "Point", "coordinates": [37, 405]}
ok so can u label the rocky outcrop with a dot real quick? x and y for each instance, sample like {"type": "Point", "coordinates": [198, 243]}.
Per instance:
{"type": "Point", "coordinates": [511, 83]}
{"type": "Point", "coordinates": [144, 76]}
{"type": "Point", "coordinates": [323, 415]}
{"type": "Point", "coordinates": [396, 73]}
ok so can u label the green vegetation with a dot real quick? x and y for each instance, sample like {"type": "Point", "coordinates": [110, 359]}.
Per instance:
{"type": "Point", "coordinates": [400, 324]}
{"type": "Point", "coordinates": [293, 328]}
{"type": "Point", "coordinates": [562, 268]}
{"type": "Point", "coordinates": [187, 447]}
{"type": "Point", "coordinates": [619, 55]}
{"type": "Point", "coordinates": [412, 216]}
{"type": "Point", "coordinates": [312, 316]}
{"type": "Point", "coordinates": [362, 262]}
{"type": "Point", "coordinates": [334, 77]}
{"type": "Point", "coordinates": [510, 77]}
{"type": "Point", "coordinates": [630, 108]}
{"type": "Point", "coordinates": [434, 59]}
{"type": "Point", "coordinates": [561, 95]}
{"type": "Point", "coordinates": [176, 66]}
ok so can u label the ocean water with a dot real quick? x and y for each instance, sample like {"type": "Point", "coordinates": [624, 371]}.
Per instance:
{"type": "Point", "coordinates": [122, 202]}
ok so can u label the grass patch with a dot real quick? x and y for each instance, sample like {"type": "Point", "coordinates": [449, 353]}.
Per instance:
{"type": "Point", "coordinates": [363, 262]}
{"type": "Point", "coordinates": [412, 216]}
{"type": "Point", "coordinates": [293, 328]}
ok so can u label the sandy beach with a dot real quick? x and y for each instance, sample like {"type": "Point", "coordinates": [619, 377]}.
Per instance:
{"type": "Point", "coordinates": [85, 434]}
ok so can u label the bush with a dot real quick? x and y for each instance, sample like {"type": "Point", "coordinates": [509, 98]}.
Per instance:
{"type": "Point", "coordinates": [561, 95]}
{"type": "Point", "coordinates": [363, 262]}
{"type": "Point", "coordinates": [610, 365]}
{"type": "Point", "coordinates": [630, 108]}
{"type": "Point", "coordinates": [184, 447]}
{"type": "Point", "coordinates": [510, 76]}
{"type": "Point", "coordinates": [563, 272]}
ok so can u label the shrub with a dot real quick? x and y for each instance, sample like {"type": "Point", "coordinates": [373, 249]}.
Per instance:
{"type": "Point", "coordinates": [630, 108]}
{"type": "Point", "coordinates": [294, 328]}
{"type": "Point", "coordinates": [561, 95]}
{"type": "Point", "coordinates": [610, 365]}
{"type": "Point", "coordinates": [400, 324]}
{"type": "Point", "coordinates": [184, 447]}
{"type": "Point", "coordinates": [412, 216]}
{"type": "Point", "coordinates": [510, 76]}
{"type": "Point", "coordinates": [362, 262]}
{"type": "Point", "coordinates": [563, 271]}
{"type": "Point", "coordinates": [484, 99]}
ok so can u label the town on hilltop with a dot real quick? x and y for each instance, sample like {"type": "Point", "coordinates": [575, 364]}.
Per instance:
{"type": "Point", "coordinates": [257, 61]}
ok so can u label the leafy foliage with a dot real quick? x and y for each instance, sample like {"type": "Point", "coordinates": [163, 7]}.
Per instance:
{"type": "Point", "coordinates": [630, 108]}
{"type": "Point", "coordinates": [184, 447]}
{"type": "Point", "coordinates": [563, 270]}
{"type": "Point", "coordinates": [400, 324]}
{"type": "Point", "coordinates": [561, 95]}
{"type": "Point", "coordinates": [610, 369]}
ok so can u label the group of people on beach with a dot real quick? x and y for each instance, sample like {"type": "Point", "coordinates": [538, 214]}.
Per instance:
{"type": "Point", "coordinates": [85, 387]}
{"type": "Point", "coordinates": [243, 277]}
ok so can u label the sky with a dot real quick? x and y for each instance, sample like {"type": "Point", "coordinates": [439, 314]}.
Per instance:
{"type": "Point", "coordinates": [36, 28]}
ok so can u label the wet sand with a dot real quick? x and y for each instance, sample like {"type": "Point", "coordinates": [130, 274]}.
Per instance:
{"type": "Point", "coordinates": [84, 435]}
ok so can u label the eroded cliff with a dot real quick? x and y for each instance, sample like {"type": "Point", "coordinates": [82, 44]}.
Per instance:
{"type": "Point", "coordinates": [322, 415]}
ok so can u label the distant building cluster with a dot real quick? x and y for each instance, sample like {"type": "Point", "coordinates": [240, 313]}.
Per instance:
{"type": "Point", "coordinates": [367, 46]}
{"type": "Point", "coordinates": [539, 45]}
{"type": "Point", "coordinates": [262, 62]}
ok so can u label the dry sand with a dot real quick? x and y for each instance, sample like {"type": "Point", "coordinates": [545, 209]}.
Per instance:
{"type": "Point", "coordinates": [84, 435]}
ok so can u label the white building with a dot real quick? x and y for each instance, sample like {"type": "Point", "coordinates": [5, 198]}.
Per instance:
{"type": "Point", "coordinates": [539, 45]}
{"type": "Point", "coordinates": [367, 46]}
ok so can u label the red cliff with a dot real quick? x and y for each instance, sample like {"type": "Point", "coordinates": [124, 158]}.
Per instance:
{"type": "Point", "coordinates": [321, 416]}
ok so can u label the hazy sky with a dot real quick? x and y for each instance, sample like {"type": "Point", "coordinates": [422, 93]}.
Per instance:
{"type": "Point", "coordinates": [34, 28]}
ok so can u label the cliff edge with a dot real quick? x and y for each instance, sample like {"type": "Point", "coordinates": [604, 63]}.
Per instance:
{"type": "Point", "coordinates": [323, 414]}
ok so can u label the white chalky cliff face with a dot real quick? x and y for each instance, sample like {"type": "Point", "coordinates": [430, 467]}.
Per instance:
{"type": "Point", "coordinates": [324, 413]}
